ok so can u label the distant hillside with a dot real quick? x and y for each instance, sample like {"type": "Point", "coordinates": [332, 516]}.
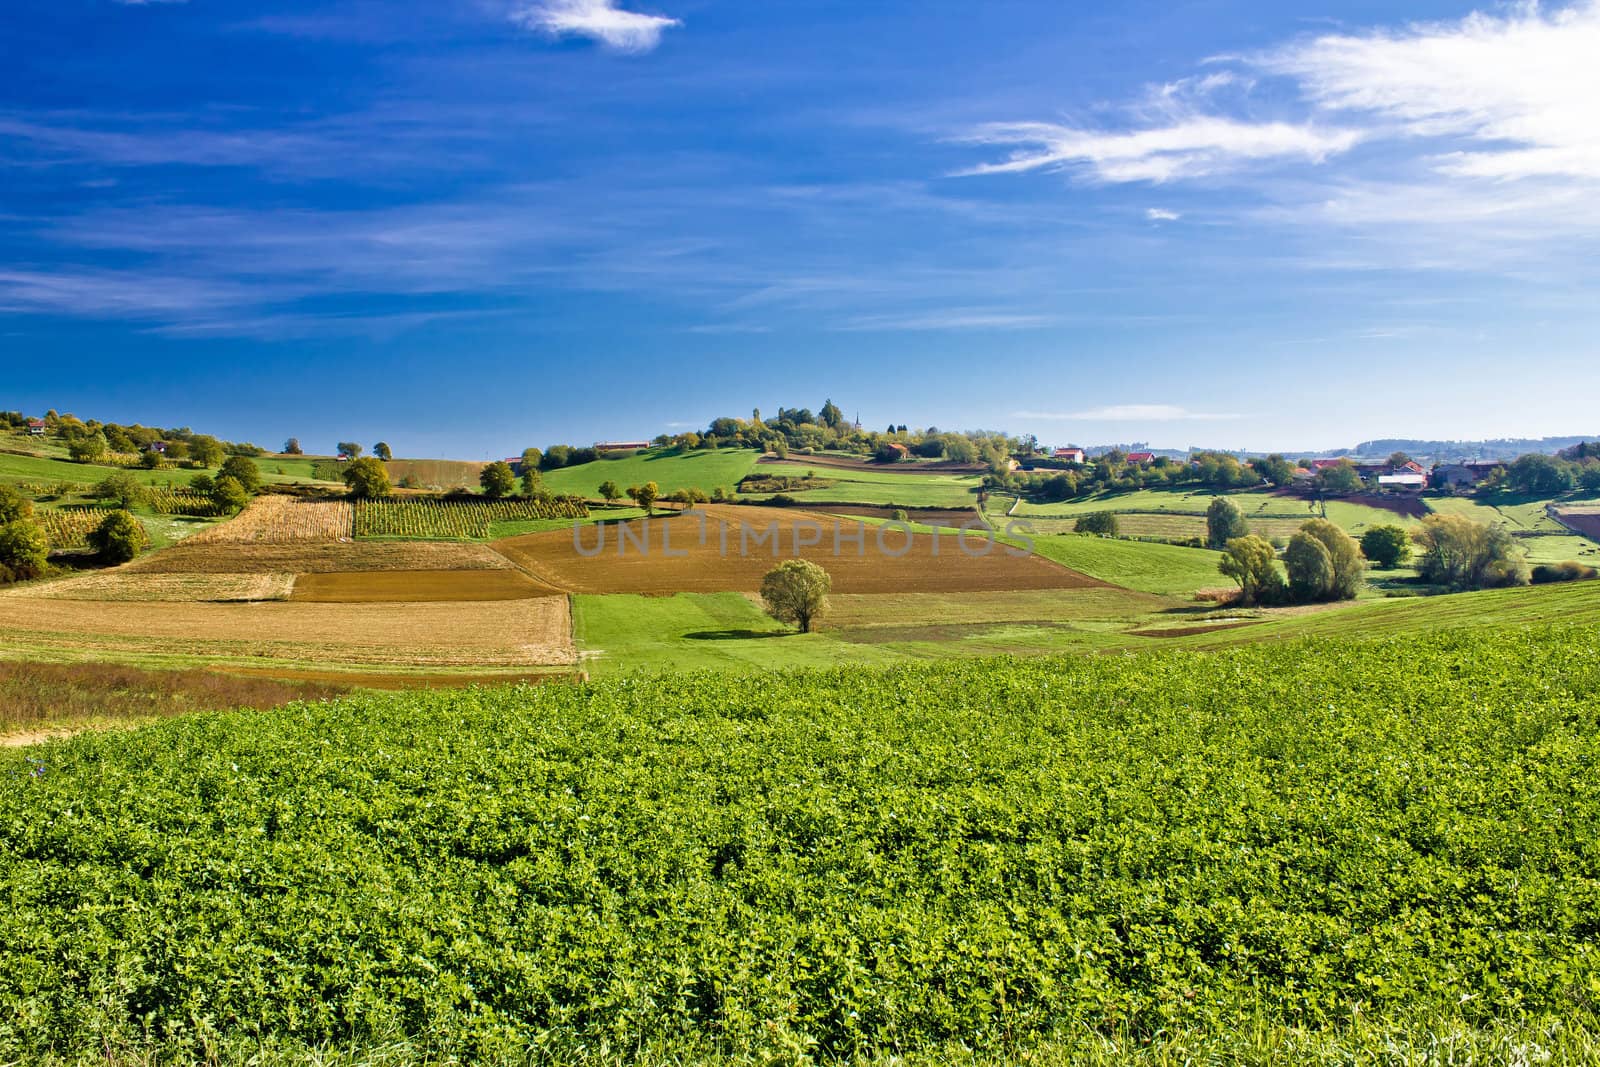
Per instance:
{"type": "Point", "coordinates": [1499, 448]}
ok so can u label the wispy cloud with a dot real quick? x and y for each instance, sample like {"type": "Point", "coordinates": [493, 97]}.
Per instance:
{"type": "Point", "coordinates": [1193, 147]}
{"type": "Point", "coordinates": [1126, 413]}
{"type": "Point", "coordinates": [1161, 214]}
{"type": "Point", "coordinates": [599, 20]}
{"type": "Point", "coordinates": [954, 319]}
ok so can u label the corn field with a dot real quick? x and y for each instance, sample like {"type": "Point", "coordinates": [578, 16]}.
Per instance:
{"type": "Point", "coordinates": [69, 528]}
{"type": "Point", "coordinates": [462, 519]}
{"type": "Point", "coordinates": [282, 520]}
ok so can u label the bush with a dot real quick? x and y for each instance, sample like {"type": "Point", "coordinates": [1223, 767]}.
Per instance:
{"type": "Point", "coordinates": [1462, 554]}
{"type": "Point", "coordinates": [228, 494]}
{"type": "Point", "coordinates": [1570, 571]}
{"type": "Point", "coordinates": [1103, 523]}
{"type": "Point", "coordinates": [497, 480]}
{"type": "Point", "coordinates": [243, 471]}
{"type": "Point", "coordinates": [24, 550]}
{"type": "Point", "coordinates": [122, 489]}
{"type": "Point", "coordinates": [1386, 546]}
{"type": "Point", "coordinates": [13, 505]}
{"type": "Point", "coordinates": [1310, 567]}
{"type": "Point", "coordinates": [1343, 553]}
{"type": "Point", "coordinates": [367, 478]}
{"type": "Point", "coordinates": [118, 538]}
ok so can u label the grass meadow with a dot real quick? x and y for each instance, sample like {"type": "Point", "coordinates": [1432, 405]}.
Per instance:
{"type": "Point", "coordinates": [669, 469]}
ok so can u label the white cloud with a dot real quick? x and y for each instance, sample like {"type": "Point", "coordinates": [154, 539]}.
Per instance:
{"type": "Point", "coordinates": [1520, 89]}
{"type": "Point", "coordinates": [1126, 413]}
{"type": "Point", "coordinates": [954, 319]}
{"type": "Point", "coordinates": [1192, 146]}
{"type": "Point", "coordinates": [599, 20]}
{"type": "Point", "coordinates": [1161, 214]}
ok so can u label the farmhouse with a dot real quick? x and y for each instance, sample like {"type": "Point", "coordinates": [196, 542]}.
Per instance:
{"type": "Point", "coordinates": [1071, 455]}
{"type": "Point", "coordinates": [620, 446]}
{"type": "Point", "coordinates": [1407, 482]}
{"type": "Point", "coordinates": [35, 427]}
{"type": "Point", "coordinates": [1141, 459]}
{"type": "Point", "coordinates": [158, 447]}
{"type": "Point", "coordinates": [1463, 475]}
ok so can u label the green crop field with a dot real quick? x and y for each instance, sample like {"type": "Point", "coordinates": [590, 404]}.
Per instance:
{"type": "Point", "coordinates": [1148, 568]}
{"type": "Point", "coordinates": [1274, 854]}
{"type": "Point", "coordinates": [668, 469]}
{"type": "Point", "coordinates": [43, 470]}
{"type": "Point", "coordinates": [885, 487]}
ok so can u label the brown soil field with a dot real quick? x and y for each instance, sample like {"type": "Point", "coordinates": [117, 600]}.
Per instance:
{"type": "Point", "coordinates": [435, 473]}
{"type": "Point", "coordinates": [125, 585]}
{"type": "Point", "coordinates": [188, 557]}
{"type": "Point", "coordinates": [954, 518]}
{"type": "Point", "coordinates": [1586, 523]}
{"type": "Point", "coordinates": [706, 568]}
{"type": "Point", "coordinates": [844, 464]}
{"type": "Point", "coordinates": [389, 587]}
{"type": "Point", "coordinates": [283, 520]}
{"type": "Point", "coordinates": [513, 633]}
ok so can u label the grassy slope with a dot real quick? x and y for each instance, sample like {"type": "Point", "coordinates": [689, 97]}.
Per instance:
{"type": "Point", "coordinates": [718, 631]}
{"type": "Point", "coordinates": [882, 486]}
{"type": "Point", "coordinates": [670, 470]}
{"type": "Point", "coordinates": [1195, 851]}
{"type": "Point", "coordinates": [1148, 568]}
{"type": "Point", "coordinates": [47, 471]}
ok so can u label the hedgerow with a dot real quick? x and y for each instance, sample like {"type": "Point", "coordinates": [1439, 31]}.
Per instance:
{"type": "Point", "coordinates": [1333, 838]}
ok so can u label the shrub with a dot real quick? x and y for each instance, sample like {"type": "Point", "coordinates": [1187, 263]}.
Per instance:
{"type": "Point", "coordinates": [1386, 546]}
{"type": "Point", "coordinates": [13, 505]}
{"type": "Point", "coordinates": [1570, 571]}
{"type": "Point", "coordinates": [1103, 523]}
{"type": "Point", "coordinates": [497, 480]}
{"type": "Point", "coordinates": [1462, 554]}
{"type": "Point", "coordinates": [1250, 561]}
{"type": "Point", "coordinates": [243, 471]}
{"type": "Point", "coordinates": [119, 537]}
{"type": "Point", "coordinates": [1344, 554]}
{"type": "Point", "coordinates": [122, 489]}
{"type": "Point", "coordinates": [1310, 567]}
{"type": "Point", "coordinates": [24, 550]}
{"type": "Point", "coordinates": [228, 494]}
{"type": "Point", "coordinates": [367, 478]}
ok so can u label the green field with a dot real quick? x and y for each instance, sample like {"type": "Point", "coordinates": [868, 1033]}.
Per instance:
{"type": "Point", "coordinates": [1180, 513]}
{"type": "Point", "coordinates": [1274, 854]}
{"type": "Point", "coordinates": [884, 487]}
{"type": "Point", "coordinates": [669, 469]}
{"type": "Point", "coordinates": [1148, 568]}
{"type": "Point", "coordinates": [41, 470]}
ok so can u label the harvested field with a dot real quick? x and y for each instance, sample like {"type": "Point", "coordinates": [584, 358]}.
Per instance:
{"type": "Point", "coordinates": [513, 633]}
{"type": "Point", "coordinates": [314, 558]}
{"type": "Point", "coordinates": [1407, 507]}
{"type": "Point", "coordinates": [283, 520]}
{"type": "Point", "coordinates": [126, 586]}
{"type": "Point", "coordinates": [435, 473]}
{"type": "Point", "coordinates": [388, 587]}
{"type": "Point", "coordinates": [954, 518]}
{"type": "Point", "coordinates": [733, 557]}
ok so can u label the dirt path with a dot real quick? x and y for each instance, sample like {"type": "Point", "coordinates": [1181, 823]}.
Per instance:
{"type": "Point", "coordinates": [32, 737]}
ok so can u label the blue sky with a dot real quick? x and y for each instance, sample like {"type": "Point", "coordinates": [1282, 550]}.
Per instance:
{"type": "Point", "coordinates": [467, 226]}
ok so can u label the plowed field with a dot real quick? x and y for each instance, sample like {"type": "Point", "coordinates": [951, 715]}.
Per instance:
{"type": "Point", "coordinates": [733, 547]}
{"type": "Point", "coordinates": [387, 587]}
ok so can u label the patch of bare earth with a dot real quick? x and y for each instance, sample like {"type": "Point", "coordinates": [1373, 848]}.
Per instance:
{"type": "Point", "coordinates": [730, 548]}
{"type": "Point", "coordinates": [127, 586]}
{"type": "Point", "coordinates": [378, 587]}
{"type": "Point", "coordinates": [513, 633]}
{"type": "Point", "coordinates": [315, 558]}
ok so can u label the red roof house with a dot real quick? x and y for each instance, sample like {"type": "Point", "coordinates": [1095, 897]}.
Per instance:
{"type": "Point", "coordinates": [1141, 458]}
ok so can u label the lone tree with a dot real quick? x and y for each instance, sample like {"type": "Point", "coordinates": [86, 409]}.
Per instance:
{"type": "Point", "coordinates": [796, 591]}
{"type": "Point", "coordinates": [1251, 561]}
{"type": "Point", "coordinates": [532, 481]}
{"type": "Point", "coordinates": [118, 538]}
{"type": "Point", "coordinates": [367, 478]}
{"type": "Point", "coordinates": [1386, 546]}
{"type": "Point", "coordinates": [121, 488]}
{"type": "Point", "coordinates": [609, 490]}
{"type": "Point", "coordinates": [1224, 523]}
{"type": "Point", "coordinates": [351, 449]}
{"type": "Point", "coordinates": [291, 447]}
{"type": "Point", "coordinates": [497, 479]}
{"type": "Point", "coordinates": [383, 451]}
{"type": "Point", "coordinates": [243, 471]}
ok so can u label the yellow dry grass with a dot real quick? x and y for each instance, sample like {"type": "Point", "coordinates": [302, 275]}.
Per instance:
{"type": "Point", "coordinates": [514, 633]}
{"type": "Point", "coordinates": [284, 520]}
{"type": "Point", "coordinates": [122, 586]}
